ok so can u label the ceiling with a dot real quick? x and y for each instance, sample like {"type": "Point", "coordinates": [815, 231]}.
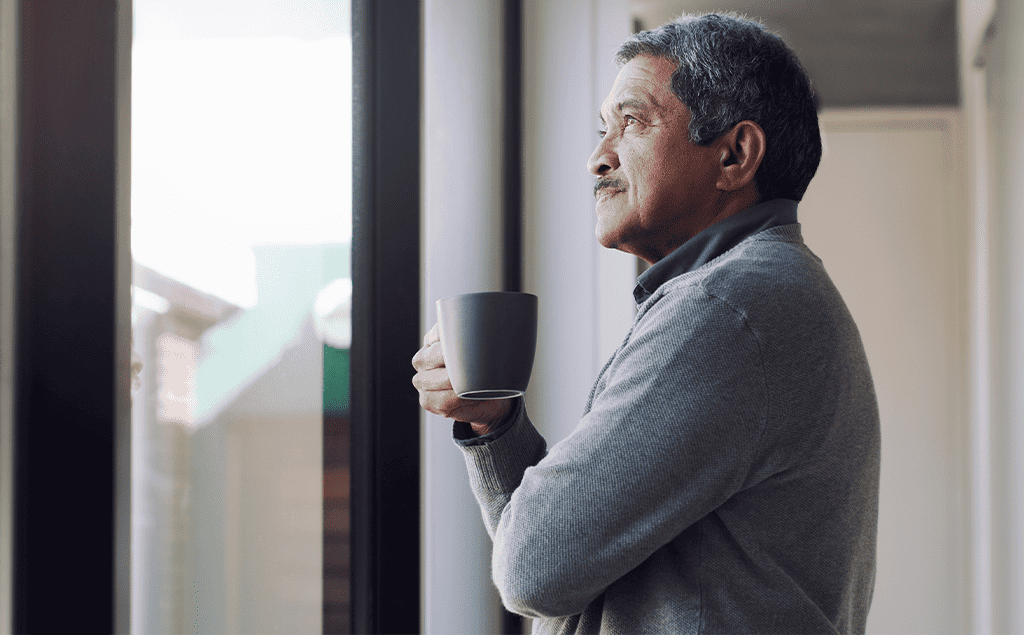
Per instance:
{"type": "Point", "coordinates": [857, 52]}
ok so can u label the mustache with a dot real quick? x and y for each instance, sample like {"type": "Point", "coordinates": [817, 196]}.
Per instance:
{"type": "Point", "coordinates": [612, 183]}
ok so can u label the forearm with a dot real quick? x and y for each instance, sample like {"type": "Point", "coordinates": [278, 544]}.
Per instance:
{"type": "Point", "coordinates": [496, 464]}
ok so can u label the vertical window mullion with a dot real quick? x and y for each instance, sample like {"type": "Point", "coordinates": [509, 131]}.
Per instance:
{"type": "Point", "coordinates": [65, 468]}
{"type": "Point", "coordinates": [385, 276]}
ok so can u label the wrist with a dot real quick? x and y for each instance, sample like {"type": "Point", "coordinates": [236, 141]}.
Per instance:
{"type": "Point", "coordinates": [494, 421]}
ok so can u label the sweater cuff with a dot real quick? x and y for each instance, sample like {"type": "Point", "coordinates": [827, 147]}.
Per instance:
{"type": "Point", "coordinates": [463, 431]}
{"type": "Point", "coordinates": [497, 466]}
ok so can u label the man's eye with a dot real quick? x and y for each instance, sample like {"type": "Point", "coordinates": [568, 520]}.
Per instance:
{"type": "Point", "coordinates": [602, 133]}
{"type": "Point", "coordinates": [629, 119]}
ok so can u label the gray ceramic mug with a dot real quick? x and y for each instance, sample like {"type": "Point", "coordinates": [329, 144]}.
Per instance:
{"type": "Point", "coordinates": [488, 340]}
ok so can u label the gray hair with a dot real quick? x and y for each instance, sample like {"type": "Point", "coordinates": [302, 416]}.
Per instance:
{"type": "Point", "coordinates": [731, 69]}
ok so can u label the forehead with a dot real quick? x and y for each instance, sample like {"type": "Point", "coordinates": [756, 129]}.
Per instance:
{"type": "Point", "coordinates": [643, 79]}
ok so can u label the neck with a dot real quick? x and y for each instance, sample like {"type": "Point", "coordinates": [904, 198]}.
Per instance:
{"type": "Point", "coordinates": [735, 202]}
{"type": "Point", "coordinates": [730, 203]}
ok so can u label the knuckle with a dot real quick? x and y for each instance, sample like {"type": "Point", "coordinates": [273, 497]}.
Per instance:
{"type": "Point", "coordinates": [452, 406]}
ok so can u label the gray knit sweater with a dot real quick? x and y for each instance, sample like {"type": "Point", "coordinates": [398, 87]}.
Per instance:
{"type": "Point", "coordinates": [724, 477]}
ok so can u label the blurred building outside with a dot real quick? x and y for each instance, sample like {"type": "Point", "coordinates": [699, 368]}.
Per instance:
{"type": "Point", "coordinates": [228, 429]}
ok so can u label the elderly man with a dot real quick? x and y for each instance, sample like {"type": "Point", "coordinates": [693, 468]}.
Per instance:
{"type": "Point", "coordinates": [724, 476]}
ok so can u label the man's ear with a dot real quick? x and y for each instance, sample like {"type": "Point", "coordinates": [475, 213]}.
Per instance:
{"type": "Point", "coordinates": [741, 151]}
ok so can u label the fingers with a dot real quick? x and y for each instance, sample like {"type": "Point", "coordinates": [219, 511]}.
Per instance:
{"type": "Point", "coordinates": [435, 387]}
{"type": "Point", "coordinates": [438, 397]}
{"type": "Point", "coordinates": [431, 355]}
{"type": "Point", "coordinates": [432, 380]}
{"type": "Point", "coordinates": [433, 335]}
{"type": "Point", "coordinates": [428, 357]}
{"type": "Point", "coordinates": [482, 414]}
{"type": "Point", "coordinates": [440, 402]}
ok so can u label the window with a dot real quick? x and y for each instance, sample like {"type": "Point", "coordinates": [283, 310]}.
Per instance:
{"type": "Point", "coordinates": [65, 190]}
{"type": "Point", "coordinates": [241, 246]}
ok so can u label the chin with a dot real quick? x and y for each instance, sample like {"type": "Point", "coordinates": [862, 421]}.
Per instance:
{"type": "Point", "coordinates": [612, 243]}
{"type": "Point", "coordinates": [605, 240]}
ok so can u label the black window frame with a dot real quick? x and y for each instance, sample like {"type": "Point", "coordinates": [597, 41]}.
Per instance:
{"type": "Point", "coordinates": [385, 452]}
{"type": "Point", "coordinates": [66, 393]}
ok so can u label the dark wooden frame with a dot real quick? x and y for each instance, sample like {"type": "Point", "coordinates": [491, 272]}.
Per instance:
{"type": "Point", "coordinates": [66, 397]}
{"type": "Point", "coordinates": [385, 451]}
{"type": "Point", "coordinates": [512, 179]}
{"type": "Point", "coordinates": [512, 146]}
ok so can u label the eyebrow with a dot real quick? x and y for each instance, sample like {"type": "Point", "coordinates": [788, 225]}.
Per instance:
{"type": "Point", "coordinates": [639, 104]}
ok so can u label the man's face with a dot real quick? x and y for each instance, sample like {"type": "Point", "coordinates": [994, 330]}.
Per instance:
{"type": "Point", "coordinates": [655, 189]}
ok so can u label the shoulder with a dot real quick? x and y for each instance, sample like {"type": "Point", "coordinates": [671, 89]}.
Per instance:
{"type": "Point", "coordinates": [772, 270]}
{"type": "Point", "coordinates": [770, 290]}
{"type": "Point", "coordinates": [690, 325]}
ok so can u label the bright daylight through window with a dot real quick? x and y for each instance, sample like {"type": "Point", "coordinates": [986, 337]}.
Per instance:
{"type": "Point", "coordinates": [241, 240]}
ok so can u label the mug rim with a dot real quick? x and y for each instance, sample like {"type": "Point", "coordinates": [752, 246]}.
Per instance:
{"type": "Point", "coordinates": [481, 293]}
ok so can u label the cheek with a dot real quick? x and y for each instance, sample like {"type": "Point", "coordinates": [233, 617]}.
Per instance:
{"type": "Point", "coordinates": [676, 177]}
{"type": "Point", "coordinates": [643, 178]}
{"type": "Point", "coordinates": [660, 188]}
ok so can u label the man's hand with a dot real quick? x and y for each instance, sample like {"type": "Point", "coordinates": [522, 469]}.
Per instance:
{"type": "Point", "coordinates": [438, 397]}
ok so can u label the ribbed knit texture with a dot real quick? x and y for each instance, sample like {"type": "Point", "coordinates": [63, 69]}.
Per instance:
{"type": "Point", "coordinates": [724, 477]}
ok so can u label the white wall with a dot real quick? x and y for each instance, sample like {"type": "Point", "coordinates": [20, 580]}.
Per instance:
{"type": "Point", "coordinates": [1005, 119]}
{"type": "Point", "coordinates": [461, 251]}
{"type": "Point", "coordinates": [585, 291]}
{"type": "Point", "coordinates": [973, 18]}
{"type": "Point", "coordinates": [885, 213]}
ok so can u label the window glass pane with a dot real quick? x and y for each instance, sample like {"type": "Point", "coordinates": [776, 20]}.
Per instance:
{"type": "Point", "coordinates": [241, 234]}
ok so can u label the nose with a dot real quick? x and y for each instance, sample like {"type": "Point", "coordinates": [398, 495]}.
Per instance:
{"type": "Point", "coordinates": [604, 159]}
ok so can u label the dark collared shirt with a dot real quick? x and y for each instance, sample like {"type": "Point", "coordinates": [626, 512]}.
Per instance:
{"type": "Point", "coordinates": [713, 242]}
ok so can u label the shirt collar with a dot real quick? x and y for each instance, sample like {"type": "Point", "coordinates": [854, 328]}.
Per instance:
{"type": "Point", "coordinates": [714, 241]}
